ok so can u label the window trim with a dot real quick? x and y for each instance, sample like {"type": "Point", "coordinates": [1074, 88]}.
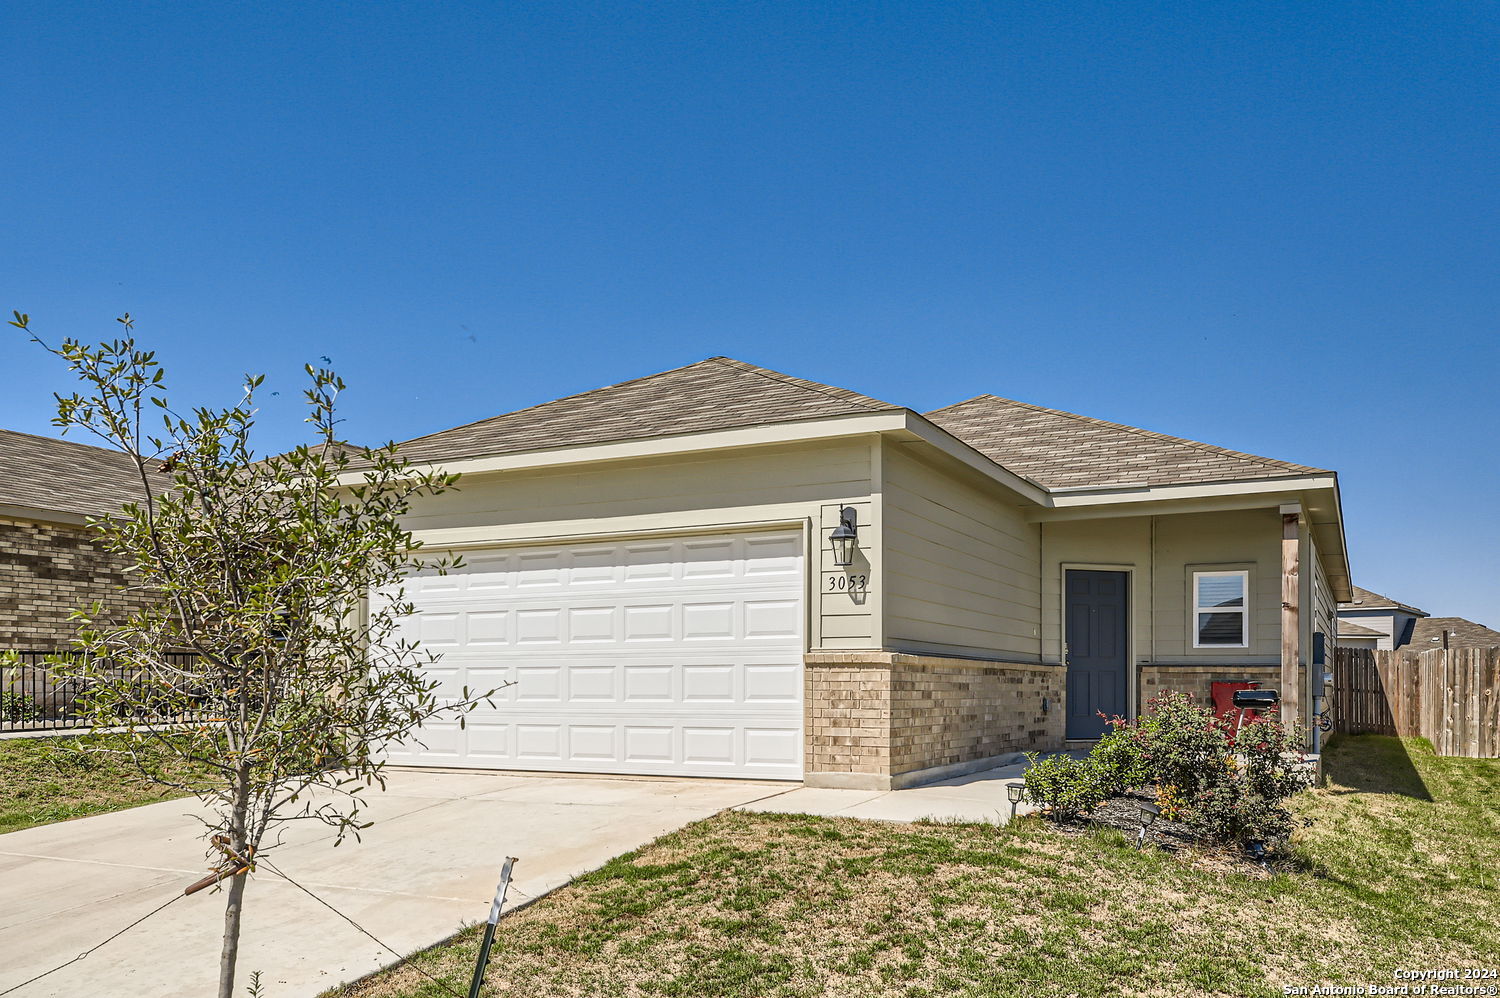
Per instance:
{"type": "Point", "coordinates": [1194, 608]}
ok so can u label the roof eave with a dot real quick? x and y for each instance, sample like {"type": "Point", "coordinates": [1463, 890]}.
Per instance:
{"type": "Point", "coordinates": [1143, 499]}
{"type": "Point", "coordinates": [1133, 492]}
{"type": "Point", "coordinates": [790, 431]}
{"type": "Point", "coordinates": [39, 514]}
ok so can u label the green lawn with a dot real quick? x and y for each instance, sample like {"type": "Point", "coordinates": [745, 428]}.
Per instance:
{"type": "Point", "coordinates": [43, 780]}
{"type": "Point", "coordinates": [1398, 871]}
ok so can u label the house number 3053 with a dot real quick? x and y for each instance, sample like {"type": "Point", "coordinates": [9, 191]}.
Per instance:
{"type": "Point", "coordinates": [848, 583]}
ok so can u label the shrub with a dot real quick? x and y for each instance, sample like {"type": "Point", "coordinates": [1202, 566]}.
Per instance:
{"type": "Point", "coordinates": [1249, 805]}
{"type": "Point", "coordinates": [1120, 758]}
{"type": "Point", "coordinates": [1065, 786]}
{"type": "Point", "coordinates": [1272, 760]}
{"type": "Point", "coordinates": [16, 707]}
{"type": "Point", "coordinates": [1226, 788]}
{"type": "Point", "coordinates": [1184, 747]}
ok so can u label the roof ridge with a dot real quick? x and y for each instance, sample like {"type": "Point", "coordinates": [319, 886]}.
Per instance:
{"type": "Point", "coordinates": [848, 395]}
{"type": "Point", "coordinates": [955, 405]}
{"type": "Point", "coordinates": [1154, 434]}
{"type": "Point", "coordinates": [565, 398]}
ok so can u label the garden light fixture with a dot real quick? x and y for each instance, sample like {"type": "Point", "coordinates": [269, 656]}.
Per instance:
{"type": "Point", "coordinates": [1015, 791]}
{"type": "Point", "coordinates": [1149, 814]}
{"type": "Point", "coordinates": [843, 537]}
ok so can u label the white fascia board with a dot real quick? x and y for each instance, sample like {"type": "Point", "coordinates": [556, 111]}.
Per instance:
{"type": "Point", "coordinates": [1341, 582]}
{"type": "Point", "coordinates": [1207, 504]}
{"type": "Point", "coordinates": [689, 443]}
{"type": "Point", "coordinates": [929, 432]}
{"type": "Point", "coordinates": [39, 515]}
{"type": "Point", "coordinates": [1064, 498]}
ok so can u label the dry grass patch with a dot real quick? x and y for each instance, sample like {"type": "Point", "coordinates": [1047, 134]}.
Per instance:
{"type": "Point", "coordinates": [788, 905]}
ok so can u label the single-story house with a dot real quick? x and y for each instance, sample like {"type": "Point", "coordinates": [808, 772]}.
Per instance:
{"type": "Point", "coordinates": [1451, 632]}
{"type": "Point", "coordinates": [50, 563]}
{"type": "Point", "coordinates": [1370, 620]}
{"type": "Point", "coordinates": [721, 570]}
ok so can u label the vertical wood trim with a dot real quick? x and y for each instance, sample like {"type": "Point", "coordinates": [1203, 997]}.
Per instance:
{"type": "Point", "coordinates": [1291, 624]}
{"type": "Point", "coordinates": [876, 594]}
{"type": "Point", "coordinates": [1307, 674]}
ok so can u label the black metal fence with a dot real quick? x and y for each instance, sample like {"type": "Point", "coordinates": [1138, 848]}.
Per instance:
{"type": "Point", "coordinates": [36, 696]}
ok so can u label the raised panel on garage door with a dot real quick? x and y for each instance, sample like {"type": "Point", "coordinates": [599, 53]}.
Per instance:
{"type": "Point", "coordinates": [679, 656]}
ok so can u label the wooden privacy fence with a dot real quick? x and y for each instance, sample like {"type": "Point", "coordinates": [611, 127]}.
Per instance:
{"type": "Point", "coordinates": [1449, 696]}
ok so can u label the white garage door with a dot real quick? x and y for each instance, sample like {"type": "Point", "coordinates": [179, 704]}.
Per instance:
{"type": "Point", "coordinates": [675, 656]}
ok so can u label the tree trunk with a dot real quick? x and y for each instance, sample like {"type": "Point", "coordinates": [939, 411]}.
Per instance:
{"type": "Point", "coordinates": [231, 949]}
{"type": "Point", "coordinates": [238, 846]}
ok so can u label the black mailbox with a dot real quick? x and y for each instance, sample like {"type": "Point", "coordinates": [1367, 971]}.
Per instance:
{"type": "Point", "coordinates": [1256, 699]}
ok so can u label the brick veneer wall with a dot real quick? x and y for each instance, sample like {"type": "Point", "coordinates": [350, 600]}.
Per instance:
{"type": "Point", "coordinates": [1199, 679]}
{"type": "Point", "coordinates": [877, 719]}
{"type": "Point", "coordinates": [46, 572]}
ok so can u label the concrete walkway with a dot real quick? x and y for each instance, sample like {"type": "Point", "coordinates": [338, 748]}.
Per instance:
{"type": "Point", "coordinates": [426, 868]}
{"type": "Point", "coordinates": [977, 797]}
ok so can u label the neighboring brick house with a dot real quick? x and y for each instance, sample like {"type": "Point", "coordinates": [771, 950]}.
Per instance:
{"type": "Point", "coordinates": [50, 561]}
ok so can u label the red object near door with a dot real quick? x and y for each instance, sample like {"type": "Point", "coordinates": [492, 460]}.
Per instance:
{"type": "Point", "coordinates": [1223, 693]}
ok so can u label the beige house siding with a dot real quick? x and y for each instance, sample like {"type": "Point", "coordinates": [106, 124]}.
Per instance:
{"type": "Point", "coordinates": [1233, 539]}
{"type": "Point", "coordinates": [1120, 544]}
{"type": "Point", "coordinates": [1325, 607]}
{"type": "Point", "coordinates": [801, 484]}
{"type": "Point", "coordinates": [961, 563]}
{"type": "Point", "coordinates": [1160, 553]}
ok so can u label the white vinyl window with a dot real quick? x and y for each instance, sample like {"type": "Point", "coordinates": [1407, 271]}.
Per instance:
{"type": "Point", "coordinates": [1221, 610]}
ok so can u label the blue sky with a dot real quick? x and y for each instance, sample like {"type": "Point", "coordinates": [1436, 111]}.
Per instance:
{"type": "Point", "coordinates": [1270, 226]}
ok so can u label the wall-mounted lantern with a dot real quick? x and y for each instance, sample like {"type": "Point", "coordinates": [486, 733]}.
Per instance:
{"type": "Point", "coordinates": [844, 536]}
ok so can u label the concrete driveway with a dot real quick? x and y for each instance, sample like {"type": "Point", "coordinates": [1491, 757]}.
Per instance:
{"type": "Point", "coordinates": [427, 867]}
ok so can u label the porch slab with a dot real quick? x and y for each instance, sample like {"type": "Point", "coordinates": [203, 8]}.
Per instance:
{"type": "Point", "coordinates": [972, 798]}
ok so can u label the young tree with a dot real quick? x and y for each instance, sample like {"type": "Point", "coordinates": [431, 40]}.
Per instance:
{"type": "Point", "coordinates": [263, 569]}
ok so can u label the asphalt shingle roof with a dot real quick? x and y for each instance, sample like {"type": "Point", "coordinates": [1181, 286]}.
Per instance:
{"type": "Point", "coordinates": [1348, 629]}
{"type": "Point", "coordinates": [1055, 449]}
{"type": "Point", "coordinates": [714, 394]}
{"type": "Point", "coordinates": [1364, 599]}
{"type": "Point", "coordinates": [65, 476]}
{"type": "Point", "coordinates": [1062, 450]}
{"type": "Point", "coordinates": [1462, 634]}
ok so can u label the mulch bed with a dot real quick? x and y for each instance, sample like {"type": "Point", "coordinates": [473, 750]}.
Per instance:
{"type": "Point", "coordinates": [1124, 813]}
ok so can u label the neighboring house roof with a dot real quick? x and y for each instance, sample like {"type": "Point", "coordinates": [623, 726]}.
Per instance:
{"type": "Point", "coordinates": [1462, 634]}
{"type": "Point", "coordinates": [62, 476]}
{"type": "Point", "coordinates": [1366, 600]}
{"type": "Point", "coordinates": [1063, 450]}
{"type": "Point", "coordinates": [1352, 630]}
{"type": "Point", "coordinates": [714, 394]}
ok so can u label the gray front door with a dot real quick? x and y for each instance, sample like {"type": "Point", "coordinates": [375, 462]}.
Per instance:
{"type": "Point", "coordinates": [1095, 612]}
